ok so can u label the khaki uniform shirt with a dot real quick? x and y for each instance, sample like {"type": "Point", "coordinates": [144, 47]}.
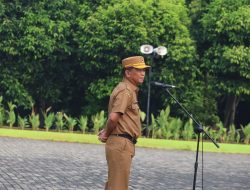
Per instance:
{"type": "Point", "coordinates": [124, 100]}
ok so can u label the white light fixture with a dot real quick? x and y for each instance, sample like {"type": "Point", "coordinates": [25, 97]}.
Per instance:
{"type": "Point", "coordinates": [161, 50]}
{"type": "Point", "coordinates": [147, 49]}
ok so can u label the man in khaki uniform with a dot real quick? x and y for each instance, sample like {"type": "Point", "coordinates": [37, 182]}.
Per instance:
{"type": "Point", "coordinates": [124, 125]}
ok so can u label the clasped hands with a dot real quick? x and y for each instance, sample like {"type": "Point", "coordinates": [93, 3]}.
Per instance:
{"type": "Point", "coordinates": [102, 136]}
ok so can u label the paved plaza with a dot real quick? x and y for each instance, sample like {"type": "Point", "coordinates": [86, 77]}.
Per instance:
{"type": "Point", "coordinates": [45, 165]}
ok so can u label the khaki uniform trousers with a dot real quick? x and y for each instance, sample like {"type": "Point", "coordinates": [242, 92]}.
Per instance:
{"type": "Point", "coordinates": [119, 154]}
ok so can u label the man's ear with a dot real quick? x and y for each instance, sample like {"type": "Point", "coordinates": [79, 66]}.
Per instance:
{"type": "Point", "coordinates": [127, 73]}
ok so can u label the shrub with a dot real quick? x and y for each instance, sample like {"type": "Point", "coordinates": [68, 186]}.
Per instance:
{"type": "Point", "coordinates": [2, 115]}
{"type": "Point", "coordinates": [48, 121]}
{"type": "Point", "coordinates": [98, 121]}
{"type": "Point", "coordinates": [34, 121]}
{"type": "Point", "coordinates": [218, 133]}
{"type": "Point", "coordinates": [23, 122]}
{"type": "Point", "coordinates": [188, 131]}
{"type": "Point", "coordinates": [246, 132]}
{"type": "Point", "coordinates": [222, 132]}
{"type": "Point", "coordinates": [71, 122]}
{"type": "Point", "coordinates": [212, 133]}
{"type": "Point", "coordinates": [59, 121]}
{"type": "Point", "coordinates": [233, 135]}
{"type": "Point", "coordinates": [11, 114]}
{"type": "Point", "coordinates": [175, 126]}
{"type": "Point", "coordinates": [83, 121]}
{"type": "Point", "coordinates": [152, 127]}
{"type": "Point", "coordinates": [162, 120]}
{"type": "Point", "coordinates": [142, 115]}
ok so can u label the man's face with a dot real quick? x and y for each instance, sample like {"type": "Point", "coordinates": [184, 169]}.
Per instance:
{"type": "Point", "coordinates": [136, 76]}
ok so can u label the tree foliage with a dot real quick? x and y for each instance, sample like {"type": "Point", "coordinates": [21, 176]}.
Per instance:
{"type": "Point", "coordinates": [67, 54]}
{"type": "Point", "coordinates": [117, 30]}
{"type": "Point", "coordinates": [226, 25]}
{"type": "Point", "coordinates": [226, 60]}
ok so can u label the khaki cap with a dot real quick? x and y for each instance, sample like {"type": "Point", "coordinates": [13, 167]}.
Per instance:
{"type": "Point", "coordinates": [135, 61]}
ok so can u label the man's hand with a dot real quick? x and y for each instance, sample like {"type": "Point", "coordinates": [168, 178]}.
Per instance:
{"type": "Point", "coordinates": [102, 136]}
{"type": "Point", "coordinates": [111, 124]}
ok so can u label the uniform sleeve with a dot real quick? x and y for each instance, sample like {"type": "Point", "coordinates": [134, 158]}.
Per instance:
{"type": "Point", "coordinates": [121, 102]}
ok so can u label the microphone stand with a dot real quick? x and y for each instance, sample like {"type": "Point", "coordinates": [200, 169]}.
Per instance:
{"type": "Point", "coordinates": [198, 130]}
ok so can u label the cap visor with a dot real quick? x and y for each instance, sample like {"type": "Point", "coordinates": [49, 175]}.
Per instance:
{"type": "Point", "coordinates": [141, 67]}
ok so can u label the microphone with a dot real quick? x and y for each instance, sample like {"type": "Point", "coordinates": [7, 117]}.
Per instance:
{"type": "Point", "coordinates": [163, 85]}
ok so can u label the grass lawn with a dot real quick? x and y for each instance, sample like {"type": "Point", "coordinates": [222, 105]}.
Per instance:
{"type": "Point", "coordinates": [142, 142]}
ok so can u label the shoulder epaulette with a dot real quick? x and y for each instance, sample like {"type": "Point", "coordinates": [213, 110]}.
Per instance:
{"type": "Point", "coordinates": [123, 86]}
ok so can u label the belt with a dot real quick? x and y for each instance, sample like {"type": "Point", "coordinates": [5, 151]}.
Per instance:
{"type": "Point", "coordinates": [127, 136]}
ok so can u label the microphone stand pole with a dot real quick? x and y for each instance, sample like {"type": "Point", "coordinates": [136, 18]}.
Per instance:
{"type": "Point", "coordinates": [198, 129]}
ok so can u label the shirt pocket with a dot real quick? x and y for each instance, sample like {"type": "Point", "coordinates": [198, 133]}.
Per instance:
{"type": "Point", "coordinates": [135, 107]}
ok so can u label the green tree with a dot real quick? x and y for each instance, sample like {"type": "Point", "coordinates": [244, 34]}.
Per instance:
{"type": "Point", "coordinates": [226, 60]}
{"type": "Point", "coordinates": [117, 30]}
{"type": "Point", "coordinates": [37, 52]}
{"type": "Point", "coordinates": [205, 96]}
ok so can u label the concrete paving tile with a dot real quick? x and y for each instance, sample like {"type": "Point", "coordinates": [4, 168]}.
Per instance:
{"type": "Point", "coordinates": [44, 165]}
